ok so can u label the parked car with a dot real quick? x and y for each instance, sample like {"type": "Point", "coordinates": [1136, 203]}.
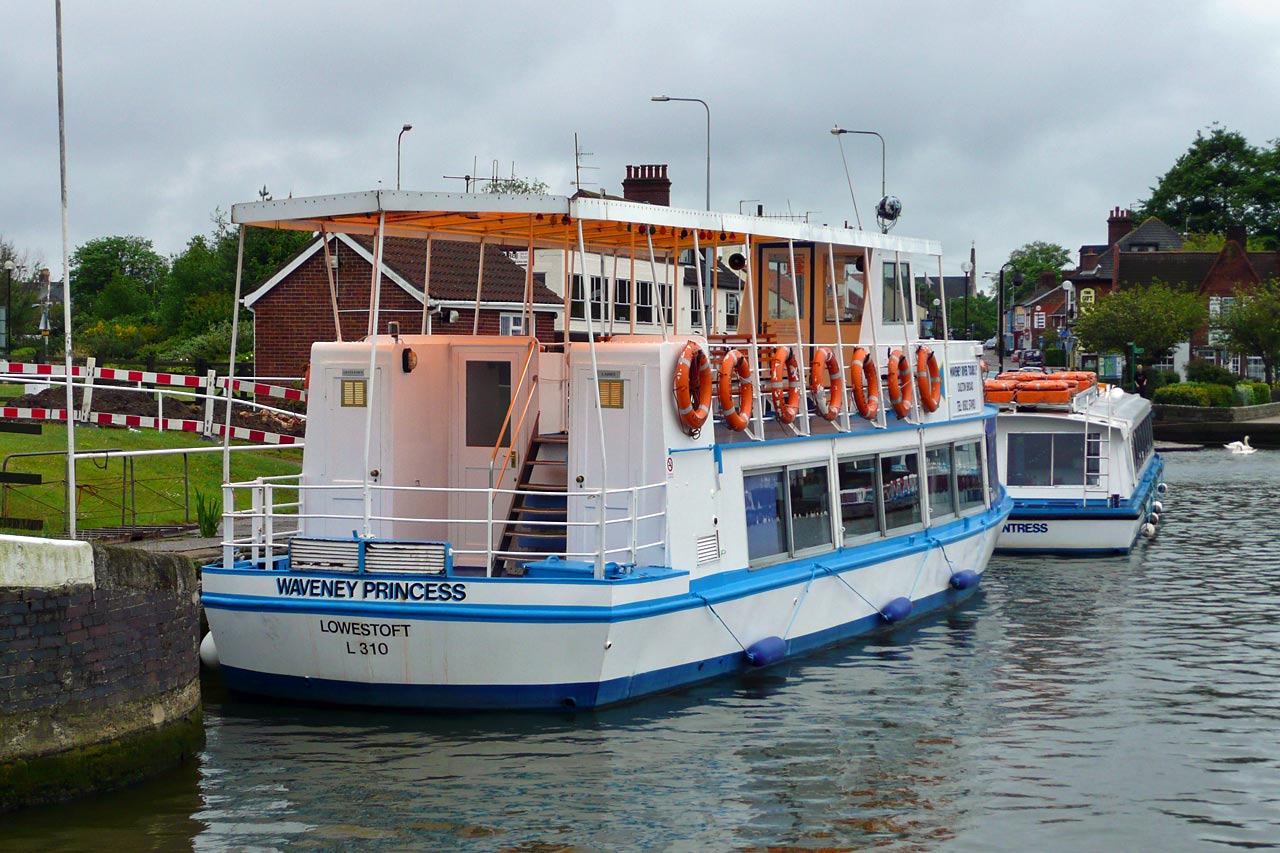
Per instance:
{"type": "Point", "coordinates": [1031, 358]}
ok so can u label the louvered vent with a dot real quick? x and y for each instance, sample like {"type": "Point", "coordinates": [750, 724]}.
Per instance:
{"type": "Point", "coordinates": [419, 558]}
{"type": "Point", "coordinates": [327, 555]}
{"type": "Point", "coordinates": [708, 548]}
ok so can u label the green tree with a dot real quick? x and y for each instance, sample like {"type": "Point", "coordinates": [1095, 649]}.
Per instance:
{"type": "Point", "coordinates": [1252, 325]}
{"type": "Point", "coordinates": [516, 186]}
{"type": "Point", "coordinates": [1155, 318]}
{"type": "Point", "coordinates": [23, 295]}
{"type": "Point", "coordinates": [1031, 259]}
{"type": "Point", "coordinates": [129, 266]}
{"type": "Point", "coordinates": [982, 317]}
{"type": "Point", "coordinates": [1221, 181]}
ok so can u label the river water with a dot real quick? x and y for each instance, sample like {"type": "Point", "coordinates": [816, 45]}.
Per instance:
{"type": "Point", "coordinates": [1130, 703]}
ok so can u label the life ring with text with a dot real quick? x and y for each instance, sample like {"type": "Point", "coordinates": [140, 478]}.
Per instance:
{"type": "Point", "coordinates": [927, 379]}
{"type": "Point", "coordinates": [899, 383]}
{"type": "Point", "coordinates": [831, 402]}
{"type": "Point", "coordinates": [737, 412]}
{"type": "Point", "coordinates": [865, 380]}
{"type": "Point", "coordinates": [785, 378]}
{"type": "Point", "coordinates": [692, 387]}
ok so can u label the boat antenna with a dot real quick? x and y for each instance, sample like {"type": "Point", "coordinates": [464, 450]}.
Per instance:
{"type": "Point", "coordinates": [837, 132]}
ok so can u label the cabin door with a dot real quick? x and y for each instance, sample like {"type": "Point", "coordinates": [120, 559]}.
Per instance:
{"type": "Point", "coordinates": [347, 395]}
{"type": "Point", "coordinates": [483, 378]}
{"type": "Point", "coordinates": [784, 290]}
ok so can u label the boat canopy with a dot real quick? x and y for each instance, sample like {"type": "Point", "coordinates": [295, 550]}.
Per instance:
{"type": "Point", "coordinates": [544, 221]}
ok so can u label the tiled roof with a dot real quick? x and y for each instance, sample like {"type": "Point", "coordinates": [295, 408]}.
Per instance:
{"type": "Point", "coordinates": [1153, 231]}
{"type": "Point", "coordinates": [453, 270]}
{"type": "Point", "coordinates": [1176, 269]}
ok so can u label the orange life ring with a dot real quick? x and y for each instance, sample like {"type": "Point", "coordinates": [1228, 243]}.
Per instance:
{"type": "Point", "coordinates": [785, 378]}
{"type": "Point", "coordinates": [866, 383]}
{"type": "Point", "coordinates": [736, 414]}
{"type": "Point", "coordinates": [693, 376]}
{"type": "Point", "coordinates": [899, 383]}
{"type": "Point", "coordinates": [824, 358]}
{"type": "Point", "coordinates": [927, 379]}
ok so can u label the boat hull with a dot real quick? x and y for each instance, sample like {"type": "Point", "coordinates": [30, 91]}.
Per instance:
{"type": "Point", "coordinates": [1077, 528]}
{"type": "Point", "coordinates": [527, 643]}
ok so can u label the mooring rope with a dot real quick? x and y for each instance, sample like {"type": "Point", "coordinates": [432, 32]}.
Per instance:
{"type": "Point", "coordinates": [840, 578]}
{"type": "Point", "coordinates": [721, 621]}
{"type": "Point", "coordinates": [795, 613]}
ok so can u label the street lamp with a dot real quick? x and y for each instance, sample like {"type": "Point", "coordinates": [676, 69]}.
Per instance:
{"type": "Point", "coordinates": [706, 280]}
{"type": "Point", "coordinates": [1069, 320]}
{"type": "Point", "coordinates": [8, 306]}
{"type": "Point", "coordinates": [403, 131]}
{"type": "Point", "coordinates": [1000, 318]}
{"type": "Point", "coordinates": [889, 209]}
{"type": "Point", "coordinates": [967, 269]}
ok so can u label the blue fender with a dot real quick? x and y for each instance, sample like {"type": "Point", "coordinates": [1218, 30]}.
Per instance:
{"type": "Point", "coordinates": [896, 610]}
{"type": "Point", "coordinates": [965, 579]}
{"type": "Point", "coordinates": [766, 651]}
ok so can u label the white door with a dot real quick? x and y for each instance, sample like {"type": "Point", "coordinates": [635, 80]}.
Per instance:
{"type": "Point", "coordinates": [347, 394]}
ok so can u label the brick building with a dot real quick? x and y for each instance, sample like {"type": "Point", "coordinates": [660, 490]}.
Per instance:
{"type": "Point", "coordinates": [292, 309]}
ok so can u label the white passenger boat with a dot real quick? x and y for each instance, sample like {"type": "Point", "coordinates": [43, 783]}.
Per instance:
{"type": "Point", "coordinates": [498, 522]}
{"type": "Point", "coordinates": [1079, 460]}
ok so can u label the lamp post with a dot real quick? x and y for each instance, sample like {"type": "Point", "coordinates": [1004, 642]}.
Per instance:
{"type": "Point", "coordinates": [706, 279]}
{"type": "Point", "coordinates": [1000, 318]}
{"type": "Point", "coordinates": [1069, 320]}
{"type": "Point", "coordinates": [8, 307]}
{"type": "Point", "coordinates": [403, 131]}
{"type": "Point", "coordinates": [888, 210]}
{"type": "Point", "coordinates": [967, 269]}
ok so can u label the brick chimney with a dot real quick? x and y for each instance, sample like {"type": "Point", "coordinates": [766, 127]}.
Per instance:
{"type": "Point", "coordinates": [1119, 223]}
{"type": "Point", "coordinates": [1238, 234]}
{"type": "Point", "coordinates": [1088, 259]}
{"type": "Point", "coordinates": [647, 184]}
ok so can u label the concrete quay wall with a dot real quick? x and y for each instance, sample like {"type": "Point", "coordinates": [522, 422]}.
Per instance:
{"type": "Point", "coordinates": [99, 671]}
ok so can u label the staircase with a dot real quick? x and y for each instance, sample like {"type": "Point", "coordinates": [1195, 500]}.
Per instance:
{"type": "Point", "coordinates": [543, 487]}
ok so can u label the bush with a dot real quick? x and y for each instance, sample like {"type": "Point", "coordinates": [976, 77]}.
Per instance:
{"type": "Point", "coordinates": [1221, 396]}
{"type": "Point", "coordinates": [1182, 394]}
{"type": "Point", "coordinates": [1199, 370]}
{"type": "Point", "coordinates": [1261, 393]}
{"type": "Point", "coordinates": [1161, 378]}
{"type": "Point", "coordinates": [1055, 357]}
{"type": "Point", "coordinates": [23, 354]}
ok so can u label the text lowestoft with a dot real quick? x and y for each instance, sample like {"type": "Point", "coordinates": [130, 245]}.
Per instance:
{"type": "Point", "coordinates": [369, 590]}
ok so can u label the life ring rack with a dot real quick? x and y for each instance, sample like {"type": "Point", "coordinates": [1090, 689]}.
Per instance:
{"type": "Point", "coordinates": [864, 380]}
{"type": "Point", "coordinates": [737, 413]}
{"type": "Point", "coordinates": [693, 377]}
{"type": "Point", "coordinates": [784, 377]}
{"type": "Point", "coordinates": [830, 403]}
{"type": "Point", "coordinates": [928, 379]}
{"type": "Point", "coordinates": [900, 383]}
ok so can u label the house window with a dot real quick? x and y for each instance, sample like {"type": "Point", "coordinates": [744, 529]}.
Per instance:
{"type": "Point", "coordinates": [644, 302]}
{"type": "Point", "coordinates": [622, 299]}
{"type": "Point", "coordinates": [577, 299]}
{"type": "Point", "coordinates": [695, 306]}
{"type": "Point", "coordinates": [1039, 319]}
{"type": "Point", "coordinates": [597, 298]}
{"type": "Point", "coordinates": [511, 324]}
{"type": "Point", "coordinates": [665, 294]}
{"type": "Point", "coordinates": [731, 312]}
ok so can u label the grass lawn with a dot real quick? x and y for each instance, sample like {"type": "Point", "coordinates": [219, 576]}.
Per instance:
{"type": "Point", "coordinates": [118, 491]}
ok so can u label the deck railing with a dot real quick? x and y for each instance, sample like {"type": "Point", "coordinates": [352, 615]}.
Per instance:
{"type": "Point", "coordinates": [261, 531]}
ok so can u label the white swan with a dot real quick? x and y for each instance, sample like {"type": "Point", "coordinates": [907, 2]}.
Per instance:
{"type": "Point", "coordinates": [1241, 446]}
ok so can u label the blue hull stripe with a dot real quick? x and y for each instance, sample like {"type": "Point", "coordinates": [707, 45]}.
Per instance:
{"type": "Point", "coordinates": [555, 696]}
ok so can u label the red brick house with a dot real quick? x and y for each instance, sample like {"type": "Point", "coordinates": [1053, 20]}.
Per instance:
{"type": "Point", "coordinates": [292, 309]}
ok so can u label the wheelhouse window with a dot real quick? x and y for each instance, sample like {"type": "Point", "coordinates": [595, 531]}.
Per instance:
{"type": "Point", "coordinates": [968, 468]}
{"type": "Point", "coordinates": [850, 290]}
{"type": "Point", "coordinates": [859, 488]}
{"type": "Point", "coordinates": [896, 283]}
{"type": "Point", "coordinates": [788, 512]}
{"type": "Point", "coordinates": [938, 469]}
{"type": "Point", "coordinates": [783, 288]}
{"type": "Point", "coordinates": [900, 484]}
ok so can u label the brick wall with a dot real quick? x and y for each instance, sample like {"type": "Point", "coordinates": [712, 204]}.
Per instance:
{"type": "Point", "coordinates": [297, 312]}
{"type": "Point", "coordinates": [83, 666]}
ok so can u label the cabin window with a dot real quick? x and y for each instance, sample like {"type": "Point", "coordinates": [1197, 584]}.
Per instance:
{"type": "Point", "coordinates": [622, 299]}
{"type": "Point", "coordinates": [788, 511]}
{"type": "Point", "coordinates": [968, 468]}
{"type": "Point", "coordinates": [766, 500]}
{"type": "Point", "coordinates": [938, 467]}
{"type": "Point", "coordinates": [1047, 459]}
{"type": "Point", "coordinates": [354, 393]}
{"type": "Point", "coordinates": [644, 302]}
{"type": "Point", "coordinates": [850, 290]}
{"type": "Point", "coordinates": [488, 399]}
{"type": "Point", "coordinates": [900, 484]}
{"type": "Point", "coordinates": [896, 284]}
{"type": "Point", "coordinates": [859, 486]}
{"type": "Point", "coordinates": [810, 508]}
{"type": "Point", "coordinates": [993, 473]}
{"type": "Point", "coordinates": [1143, 443]}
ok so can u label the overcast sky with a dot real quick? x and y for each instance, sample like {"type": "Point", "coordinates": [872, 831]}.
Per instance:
{"type": "Point", "coordinates": [1005, 122]}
